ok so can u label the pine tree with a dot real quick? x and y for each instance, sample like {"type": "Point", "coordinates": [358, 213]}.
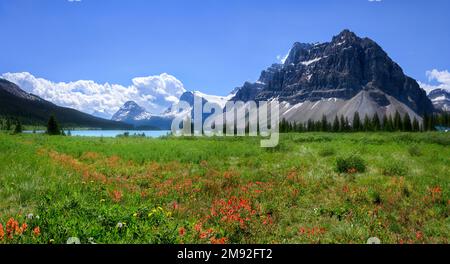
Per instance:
{"type": "Point", "coordinates": [366, 124]}
{"type": "Point", "coordinates": [425, 122]}
{"type": "Point", "coordinates": [415, 125]}
{"type": "Point", "coordinates": [324, 124]}
{"type": "Point", "coordinates": [8, 124]}
{"type": "Point", "coordinates": [398, 124]}
{"type": "Point", "coordinates": [385, 122]}
{"type": "Point", "coordinates": [342, 127]}
{"type": "Point", "coordinates": [407, 123]}
{"type": "Point", "coordinates": [53, 127]}
{"type": "Point", "coordinates": [336, 126]}
{"type": "Point", "coordinates": [18, 128]}
{"type": "Point", "coordinates": [390, 126]}
{"type": "Point", "coordinates": [356, 125]}
{"type": "Point", "coordinates": [376, 125]}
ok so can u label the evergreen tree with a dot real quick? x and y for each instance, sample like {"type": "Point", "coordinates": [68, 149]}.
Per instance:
{"type": "Point", "coordinates": [347, 124]}
{"type": "Point", "coordinates": [53, 126]}
{"type": "Point", "coordinates": [356, 125]}
{"type": "Point", "coordinates": [18, 128]}
{"type": "Point", "coordinates": [407, 123]}
{"type": "Point", "coordinates": [8, 124]}
{"type": "Point", "coordinates": [425, 122]}
{"type": "Point", "coordinates": [415, 125]}
{"type": "Point", "coordinates": [336, 125]}
{"type": "Point", "coordinates": [324, 124]}
{"type": "Point", "coordinates": [310, 125]}
{"type": "Point", "coordinates": [342, 127]}
{"type": "Point", "coordinates": [376, 125]}
{"type": "Point", "coordinates": [398, 124]}
{"type": "Point", "coordinates": [390, 126]}
{"type": "Point", "coordinates": [366, 124]}
{"type": "Point", "coordinates": [385, 123]}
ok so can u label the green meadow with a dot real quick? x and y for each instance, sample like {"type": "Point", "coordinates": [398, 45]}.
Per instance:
{"type": "Point", "coordinates": [312, 188]}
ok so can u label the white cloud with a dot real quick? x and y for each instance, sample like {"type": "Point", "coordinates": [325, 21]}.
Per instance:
{"type": "Point", "coordinates": [155, 93]}
{"type": "Point", "coordinates": [441, 78]}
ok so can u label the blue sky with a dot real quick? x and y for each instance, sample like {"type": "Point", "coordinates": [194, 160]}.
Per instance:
{"type": "Point", "coordinates": [211, 46]}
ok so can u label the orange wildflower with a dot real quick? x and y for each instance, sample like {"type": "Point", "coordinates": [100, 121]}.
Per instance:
{"type": "Point", "coordinates": [36, 231]}
{"type": "Point", "coordinates": [116, 196]}
{"type": "Point", "coordinates": [222, 240]}
{"type": "Point", "coordinates": [2, 232]}
{"type": "Point", "coordinates": [182, 231]}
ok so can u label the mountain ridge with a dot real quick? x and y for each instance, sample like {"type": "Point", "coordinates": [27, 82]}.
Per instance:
{"type": "Point", "coordinates": [341, 70]}
{"type": "Point", "coordinates": [31, 109]}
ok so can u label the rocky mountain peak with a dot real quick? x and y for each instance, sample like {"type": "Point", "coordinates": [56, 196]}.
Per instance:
{"type": "Point", "coordinates": [338, 70]}
{"type": "Point", "coordinates": [130, 111]}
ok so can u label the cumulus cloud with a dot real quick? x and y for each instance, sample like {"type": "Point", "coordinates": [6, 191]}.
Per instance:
{"type": "Point", "coordinates": [155, 93]}
{"type": "Point", "coordinates": [441, 80]}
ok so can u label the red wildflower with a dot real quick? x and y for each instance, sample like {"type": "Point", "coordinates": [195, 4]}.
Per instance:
{"type": "Point", "coordinates": [2, 232]}
{"type": "Point", "coordinates": [419, 235]}
{"type": "Point", "coordinates": [36, 231]}
{"type": "Point", "coordinates": [12, 226]}
{"type": "Point", "coordinates": [222, 240]}
{"type": "Point", "coordinates": [116, 196]}
{"type": "Point", "coordinates": [182, 231]}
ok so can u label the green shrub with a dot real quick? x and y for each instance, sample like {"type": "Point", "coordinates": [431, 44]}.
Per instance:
{"type": "Point", "coordinates": [395, 169]}
{"type": "Point", "coordinates": [327, 151]}
{"type": "Point", "coordinates": [351, 164]}
{"type": "Point", "coordinates": [414, 151]}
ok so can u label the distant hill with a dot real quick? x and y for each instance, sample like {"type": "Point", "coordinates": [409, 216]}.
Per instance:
{"type": "Point", "coordinates": [33, 110]}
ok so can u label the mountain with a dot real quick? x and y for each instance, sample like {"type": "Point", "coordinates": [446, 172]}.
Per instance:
{"type": "Point", "coordinates": [31, 109]}
{"type": "Point", "coordinates": [440, 99]}
{"type": "Point", "coordinates": [132, 113]}
{"type": "Point", "coordinates": [340, 77]}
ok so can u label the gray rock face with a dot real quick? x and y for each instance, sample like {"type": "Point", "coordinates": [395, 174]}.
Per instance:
{"type": "Point", "coordinates": [440, 99]}
{"type": "Point", "coordinates": [340, 69]}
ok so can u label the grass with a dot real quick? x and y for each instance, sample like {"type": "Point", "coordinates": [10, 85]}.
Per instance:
{"type": "Point", "coordinates": [226, 190]}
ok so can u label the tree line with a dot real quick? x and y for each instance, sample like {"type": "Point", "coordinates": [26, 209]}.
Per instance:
{"type": "Point", "coordinates": [14, 125]}
{"type": "Point", "coordinates": [369, 124]}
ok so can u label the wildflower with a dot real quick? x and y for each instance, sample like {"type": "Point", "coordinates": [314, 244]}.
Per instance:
{"type": "Point", "coordinates": [182, 231]}
{"type": "Point", "coordinates": [2, 232]}
{"type": "Point", "coordinates": [120, 225]}
{"type": "Point", "coordinates": [36, 231]}
{"type": "Point", "coordinates": [30, 216]}
{"type": "Point", "coordinates": [116, 195]}
{"type": "Point", "coordinates": [175, 205]}
{"type": "Point", "coordinates": [102, 200]}
{"type": "Point", "coordinates": [23, 228]}
{"type": "Point", "coordinates": [419, 235]}
{"type": "Point", "coordinates": [135, 214]}
{"type": "Point", "coordinates": [12, 226]}
{"type": "Point", "coordinates": [222, 240]}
